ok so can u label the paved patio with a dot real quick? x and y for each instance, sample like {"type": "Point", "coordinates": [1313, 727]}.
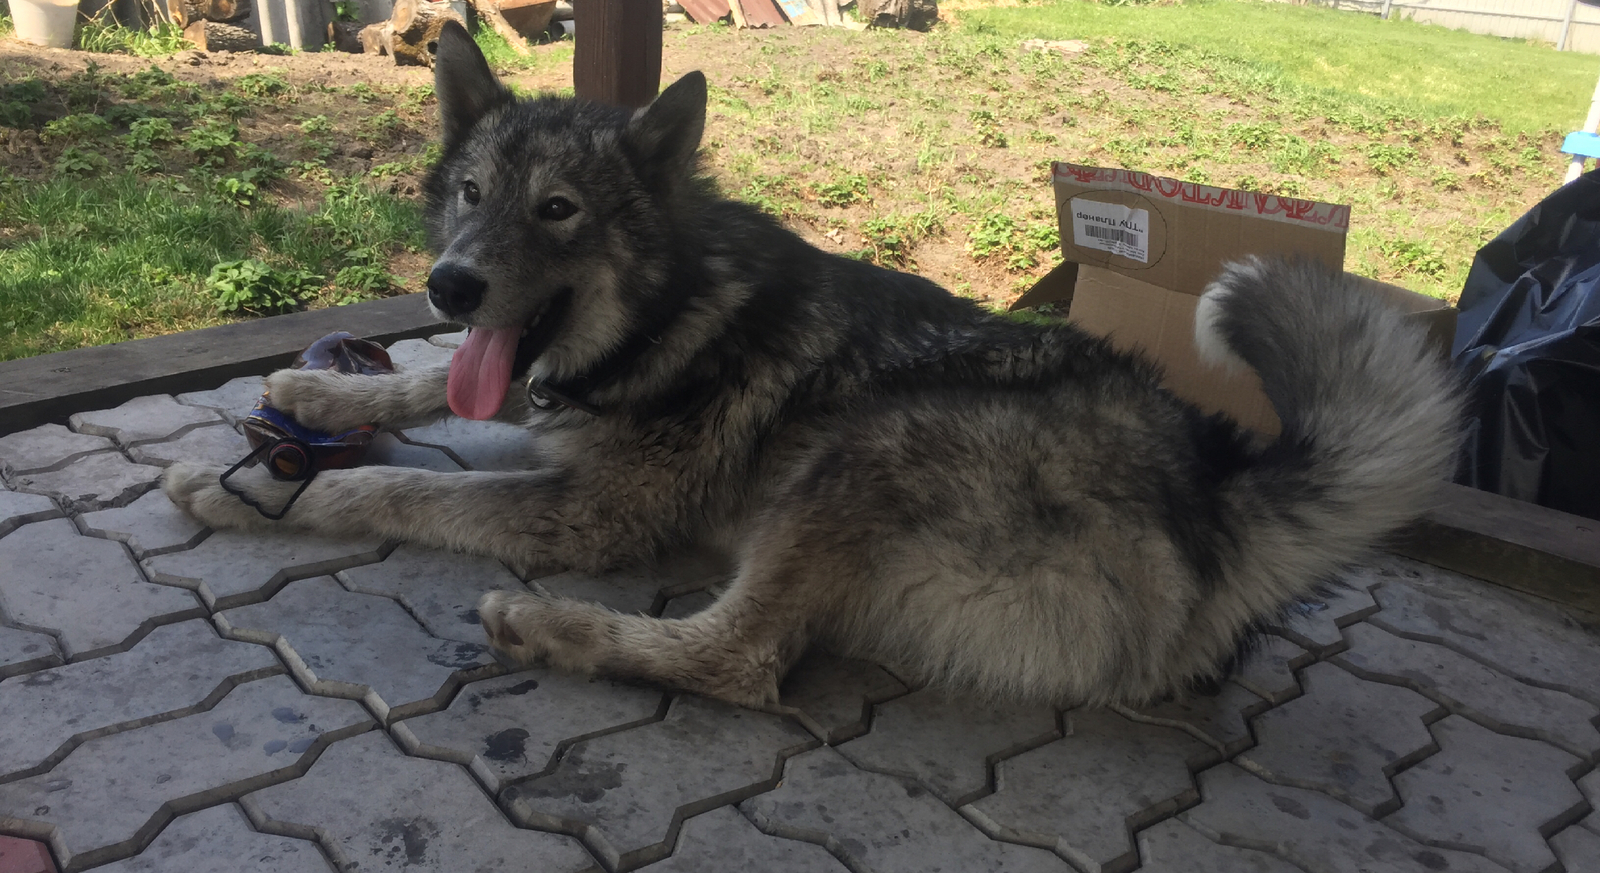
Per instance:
{"type": "Point", "coordinates": [180, 700]}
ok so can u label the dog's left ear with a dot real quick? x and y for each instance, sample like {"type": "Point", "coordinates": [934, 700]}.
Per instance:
{"type": "Point", "coordinates": [665, 135]}
{"type": "Point", "coordinates": [463, 83]}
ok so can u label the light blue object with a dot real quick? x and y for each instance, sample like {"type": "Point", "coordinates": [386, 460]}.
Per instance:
{"type": "Point", "coordinates": [1585, 145]}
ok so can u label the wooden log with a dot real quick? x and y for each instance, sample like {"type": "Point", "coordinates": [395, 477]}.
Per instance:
{"type": "Point", "coordinates": [346, 36]}
{"type": "Point", "coordinates": [214, 36]}
{"type": "Point", "coordinates": [529, 19]}
{"type": "Point", "coordinates": [617, 58]}
{"type": "Point", "coordinates": [414, 30]}
{"type": "Point", "coordinates": [489, 11]}
{"type": "Point", "coordinates": [911, 14]}
{"type": "Point", "coordinates": [228, 11]}
{"type": "Point", "coordinates": [374, 39]}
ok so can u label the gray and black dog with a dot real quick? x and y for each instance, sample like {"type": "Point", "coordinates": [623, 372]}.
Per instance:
{"type": "Point", "coordinates": [1012, 509]}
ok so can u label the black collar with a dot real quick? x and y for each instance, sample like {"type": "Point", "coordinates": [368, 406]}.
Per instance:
{"type": "Point", "coordinates": [655, 318]}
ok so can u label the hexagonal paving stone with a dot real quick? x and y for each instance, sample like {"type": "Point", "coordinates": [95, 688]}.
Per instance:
{"type": "Point", "coordinates": [1312, 830]}
{"type": "Point", "coordinates": [18, 509]}
{"type": "Point", "coordinates": [46, 447]}
{"type": "Point", "coordinates": [879, 823]}
{"type": "Point", "coordinates": [375, 808]}
{"type": "Point", "coordinates": [177, 669]}
{"type": "Point", "coordinates": [509, 727]}
{"type": "Point", "coordinates": [448, 340]}
{"type": "Point", "coordinates": [233, 401]}
{"type": "Point", "coordinates": [440, 589]}
{"type": "Point", "coordinates": [359, 646]}
{"type": "Point", "coordinates": [87, 589]}
{"type": "Point", "coordinates": [232, 568]}
{"type": "Point", "coordinates": [216, 444]}
{"type": "Point", "coordinates": [415, 354]}
{"type": "Point", "coordinates": [948, 744]}
{"type": "Point", "coordinates": [150, 526]}
{"type": "Point", "coordinates": [833, 696]}
{"type": "Point", "coordinates": [1314, 623]}
{"type": "Point", "coordinates": [1218, 719]}
{"type": "Point", "coordinates": [723, 841]}
{"type": "Point", "coordinates": [1489, 794]}
{"type": "Point", "coordinates": [1085, 794]}
{"type": "Point", "coordinates": [94, 481]}
{"type": "Point", "coordinates": [220, 840]}
{"type": "Point", "coordinates": [1268, 671]}
{"type": "Point", "coordinates": [1532, 641]}
{"type": "Point", "coordinates": [1469, 688]}
{"type": "Point", "coordinates": [1578, 848]}
{"type": "Point", "coordinates": [1174, 847]}
{"type": "Point", "coordinates": [1344, 737]}
{"type": "Point", "coordinates": [628, 792]}
{"type": "Point", "coordinates": [24, 651]}
{"type": "Point", "coordinates": [153, 417]}
{"type": "Point", "coordinates": [479, 445]}
{"type": "Point", "coordinates": [639, 589]}
{"type": "Point", "coordinates": [113, 792]}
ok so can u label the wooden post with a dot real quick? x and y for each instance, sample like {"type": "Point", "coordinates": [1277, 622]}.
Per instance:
{"type": "Point", "coordinates": [1566, 26]}
{"type": "Point", "coordinates": [617, 58]}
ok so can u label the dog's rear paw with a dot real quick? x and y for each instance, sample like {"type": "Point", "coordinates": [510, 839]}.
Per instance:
{"type": "Point", "coordinates": [510, 619]}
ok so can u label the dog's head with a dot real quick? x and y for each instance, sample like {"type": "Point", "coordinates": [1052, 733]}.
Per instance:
{"type": "Point", "coordinates": [552, 219]}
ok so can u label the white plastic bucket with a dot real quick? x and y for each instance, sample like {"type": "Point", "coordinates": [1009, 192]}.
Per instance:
{"type": "Point", "coordinates": [45, 22]}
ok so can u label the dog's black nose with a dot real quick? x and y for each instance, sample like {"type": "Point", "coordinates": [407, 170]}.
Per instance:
{"type": "Point", "coordinates": [454, 289]}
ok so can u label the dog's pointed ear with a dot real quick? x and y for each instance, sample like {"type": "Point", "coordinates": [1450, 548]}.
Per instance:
{"type": "Point", "coordinates": [463, 83]}
{"type": "Point", "coordinates": [666, 134]}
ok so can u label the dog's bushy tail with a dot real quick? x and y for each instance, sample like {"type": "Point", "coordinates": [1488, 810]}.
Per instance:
{"type": "Point", "coordinates": [1371, 422]}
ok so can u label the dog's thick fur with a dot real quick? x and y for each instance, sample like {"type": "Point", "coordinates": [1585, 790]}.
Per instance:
{"type": "Point", "coordinates": [1012, 508]}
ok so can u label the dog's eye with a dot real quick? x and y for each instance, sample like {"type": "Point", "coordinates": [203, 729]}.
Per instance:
{"type": "Point", "coordinates": [557, 209]}
{"type": "Point", "coordinates": [470, 193]}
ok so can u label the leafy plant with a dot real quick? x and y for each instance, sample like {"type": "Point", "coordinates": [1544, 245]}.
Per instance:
{"type": "Point", "coordinates": [252, 286]}
{"type": "Point", "coordinates": [1384, 158]}
{"type": "Point", "coordinates": [75, 161]}
{"type": "Point", "coordinates": [849, 189]}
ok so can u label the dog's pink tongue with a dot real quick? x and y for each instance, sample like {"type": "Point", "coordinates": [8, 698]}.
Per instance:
{"type": "Point", "coordinates": [480, 372]}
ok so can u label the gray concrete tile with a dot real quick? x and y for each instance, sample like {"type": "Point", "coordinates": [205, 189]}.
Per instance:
{"type": "Point", "coordinates": [86, 589]}
{"type": "Point", "coordinates": [723, 841]}
{"type": "Point", "coordinates": [112, 792]}
{"type": "Point", "coordinates": [1218, 719]}
{"type": "Point", "coordinates": [233, 568]}
{"type": "Point", "coordinates": [479, 445]}
{"type": "Point", "coordinates": [1532, 641]}
{"type": "Point", "coordinates": [1471, 689]}
{"type": "Point", "coordinates": [177, 669]}
{"type": "Point", "coordinates": [24, 651]}
{"type": "Point", "coordinates": [413, 354]}
{"type": "Point", "coordinates": [152, 417]}
{"type": "Point", "coordinates": [1489, 794]}
{"type": "Point", "coordinates": [639, 589]}
{"type": "Point", "coordinates": [627, 792]}
{"type": "Point", "coordinates": [18, 509]}
{"type": "Point", "coordinates": [359, 646]}
{"type": "Point", "coordinates": [948, 744]}
{"type": "Point", "coordinates": [220, 840]}
{"type": "Point", "coordinates": [880, 823]}
{"type": "Point", "coordinates": [448, 340]}
{"type": "Point", "coordinates": [440, 589]}
{"type": "Point", "coordinates": [387, 449]}
{"type": "Point", "coordinates": [94, 481]}
{"type": "Point", "coordinates": [1344, 737]}
{"type": "Point", "coordinates": [1578, 849]}
{"type": "Point", "coordinates": [833, 696]}
{"type": "Point", "coordinates": [1312, 830]}
{"type": "Point", "coordinates": [233, 400]}
{"type": "Point", "coordinates": [1086, 793]}
{"type": "Point", "coordinates": [1174, 847]}
{"type": "Point", "coordinates": [1314, 623]}
{"type": "Point", "coordinates": [374, 808]}
{"type": "Point", "coordinates": [45, 447]}
{"type": "Point", "coordinates": [1268, 671]}
{"type": "Point", "coordinates": [509, 727]}
{"type": "Point", "coordinates": [217, 444]}
{"type": "Point", "coordinates": [150, 526]}
{"type": "Point", "coordinates": [1590, 786]}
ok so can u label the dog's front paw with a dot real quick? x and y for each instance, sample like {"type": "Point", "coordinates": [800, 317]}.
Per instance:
{"type": "Point", "coordinates": [318, 399]}
{"type": "Point", "coordinates": [197, 489]}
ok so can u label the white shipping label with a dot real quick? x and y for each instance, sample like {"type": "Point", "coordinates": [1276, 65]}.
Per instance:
{"type": "Point", "coordinates": [1120, 230]}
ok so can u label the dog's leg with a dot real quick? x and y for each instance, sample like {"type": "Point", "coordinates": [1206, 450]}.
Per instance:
{"type": "Point", "coordinates": [331, 401]}
{"type": "Point", "coordinates": [529, 520]}
{"type": "Point", "coordinates": [737, 650]}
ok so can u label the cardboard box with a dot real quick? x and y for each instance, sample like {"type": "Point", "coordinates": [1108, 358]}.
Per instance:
{"type": "Point", "coordinates": [1139, 250]}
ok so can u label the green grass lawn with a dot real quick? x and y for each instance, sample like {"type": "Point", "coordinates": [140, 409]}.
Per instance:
{"type": "Point", "coordinates": [1420, 69]}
